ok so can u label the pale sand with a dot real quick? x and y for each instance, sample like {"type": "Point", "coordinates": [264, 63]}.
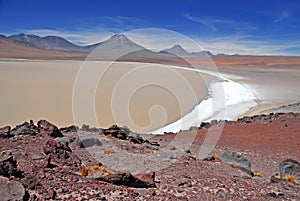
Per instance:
{"type": "Point", "coordinates": [43, 90]}
{"type": "Point", "coordinates": [261, 108]}
{"type": "Point", "coordinates": [273, 86]}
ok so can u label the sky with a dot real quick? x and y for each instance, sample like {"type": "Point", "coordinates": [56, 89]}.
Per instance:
{"type": "Point", "coordinates": [260, 27]}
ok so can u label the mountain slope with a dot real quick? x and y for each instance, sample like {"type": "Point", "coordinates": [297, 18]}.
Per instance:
{"type": "Point", "coordinates": [176, 50]}
{"type": "Point", "coordinates": [180, 51]}
{"type": "Point", "coordinates": [50, 43]}
{"type": "Point", "coordinates": [9, 41]}
{"type": "Point", "coordinates": [114, 47]}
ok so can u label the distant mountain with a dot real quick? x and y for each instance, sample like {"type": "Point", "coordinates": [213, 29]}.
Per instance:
{"type": "Point", "coordinates": [115, 47]}
{"type": "Point", "coordinates": [202, 53]}
{"type": "Point", "coordinates": [176, 50]}
{"type": "Point", "coordinates": [180, 51]}
{"type": "Point", "coordinates": [50, 43]}
{"type": "Point", "coordinates": [9, 41]}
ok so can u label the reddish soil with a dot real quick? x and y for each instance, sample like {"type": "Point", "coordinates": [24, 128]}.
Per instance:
{"type": "Point", "coordinates": [264, 140]}
{"type": "Point", "coordinates": [18, 52]}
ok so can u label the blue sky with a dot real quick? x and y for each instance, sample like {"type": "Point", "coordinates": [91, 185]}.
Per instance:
{"type": "Point", "coordinates": [244, 27]}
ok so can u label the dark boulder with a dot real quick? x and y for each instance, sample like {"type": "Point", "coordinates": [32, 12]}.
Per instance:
{"type": "Point", "coordinates": [5, 132]}
{"type": "Point", "coordinates": [121, 133]}
{"type": "Point", "coordinates": [59, 154]}
{"type": "Point", "coordinates": [290, 167]}
{"type": "Point", "coordinates": [87, 141]}
{"type": "Point", "coordinates": [69, 129]}
{"type": "Point", "coordinates": [47, 128]}
{"type": "Point", "coordinates": [238, 160]}
{"type": "Point", "coordinates": [27, 128]}
{"type": "Point", "coordinates": [127, 179]}
{"type": "Point", "coordinates": [204, 125]}
{"type": "Point", "coordinates": [8, 166]}
{"type": "Point", "coordinates": [12, 190]}
{"type": "Point", "coordinates": [90, 129]}
{"type": "Point", "coordinates": [114, 127]}
{"type": "Point", "coordinates": [65, 140]}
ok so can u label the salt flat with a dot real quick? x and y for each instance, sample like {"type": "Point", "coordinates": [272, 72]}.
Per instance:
{"type": "Point", "coordinates": [44, 90]}
{"type": "Point", "coordinates": [37, 89]}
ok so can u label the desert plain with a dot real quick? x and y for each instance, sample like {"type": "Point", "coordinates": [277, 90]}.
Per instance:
{"type": "Point", "coordinates": [53, 156]}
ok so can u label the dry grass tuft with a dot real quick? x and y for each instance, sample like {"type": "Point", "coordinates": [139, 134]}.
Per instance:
{"type": "Point", "coordinates": [109, 151]}
{"type": "Point", "coordinates": [84, 171]}
{"type": "Point", "coordinates": [95, 170]}
{"type": "Point", "coordinates": [290, 178]}
{"type": "Point", "coordinates": [233, 165]}
{"type": "Point", "coordinates": [257, 174]}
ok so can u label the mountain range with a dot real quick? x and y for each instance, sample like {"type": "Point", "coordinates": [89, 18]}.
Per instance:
{"type": "Point", "coordinates": [115, 47]}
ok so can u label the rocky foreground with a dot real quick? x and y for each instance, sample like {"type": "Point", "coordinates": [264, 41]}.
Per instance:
{"type": "Point", "coordinates": [256, 158]}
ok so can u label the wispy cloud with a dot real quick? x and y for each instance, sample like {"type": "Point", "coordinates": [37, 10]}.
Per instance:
{"type": "Point", "coordinates": [210, 22]}
{"type": "Point", "coordinates": [159, 39]}
{"type": "Point", "coordinates": [114, 24]}
{"type": "Point", "coordinates": [239, 44]}
{"type": "Point", "coordinates": [214, 22]}
{"type": "Point", "coordinates": [90, 30]}
{"type": "Point", "coordinates": [231, 44]}
{"type": "Point", "coordinates": [77, 37]}
{"type": "Point", "coordinates": [282, 16]}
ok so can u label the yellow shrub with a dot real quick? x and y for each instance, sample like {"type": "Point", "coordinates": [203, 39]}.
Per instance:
{"type": "Point", "coordinates": [290, 178]}
{"type": "Point", "coordinates": [95, 170]}
{"type": "Point", "coordinates": [233, 165]}
{"type": "Point", "coordinates": [84, 171]}
{"type": "Point", "coordinates": [109, 151]}
{"type": "Point", "coordinates": [257, 174]}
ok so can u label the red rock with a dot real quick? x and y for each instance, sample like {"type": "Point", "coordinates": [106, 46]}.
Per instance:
{"type": "Point", "coordinates": [8, 166]}
{"type": "Point", "coordinates": [5, 132]}
{"type": "Point", "coordinates": [11, 190]}
{"type": "Point", "coordinates": [46, 127]}
{"type": "Point", "coordinates": [127, 179]}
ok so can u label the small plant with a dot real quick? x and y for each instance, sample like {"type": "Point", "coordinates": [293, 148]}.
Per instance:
{"type": "Point", "coordinates": [109, 151]}
{"type": "Point", "coordinates": [95, 170]}
{"type": "Point", "coordinates": [84, 171]}
{"type": "Point", "coordinates": [290, 178]}
{"type": "Point", "coordinates": [193, 157]}
{"type": "Point", "coordinates": [110, 135]}
{"type": "Point", "coordinates": [232, 165]}
{"type": "Point", "coordinates": [216, 156]}
{"type": "Point", "coordinates": [257, 174]}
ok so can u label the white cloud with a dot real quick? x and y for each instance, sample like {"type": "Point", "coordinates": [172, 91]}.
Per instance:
{"type": "Point", "coordinates": [92, 29]}
{"type": "Point", "coordinates": [159, 39]}
{"type": "Point", "coordinates": [282, 16]}
{"type": "Point", "coordinates": [244, 45]}
{"type": "Point", "coordinates": [77, 37]}
{"type": "Point", "coordinates": [210, 22]}
{"type": "Point", "coordinates": [213, 22]}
